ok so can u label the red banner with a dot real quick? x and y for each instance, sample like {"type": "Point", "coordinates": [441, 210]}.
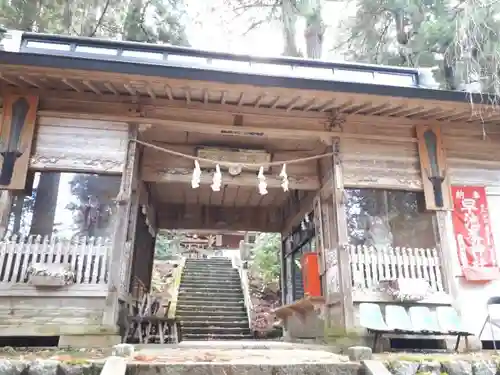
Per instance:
{"type": "Point", "coordinates": [471, 221]}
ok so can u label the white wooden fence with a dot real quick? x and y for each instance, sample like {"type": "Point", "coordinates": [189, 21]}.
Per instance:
{"type": "Point", "coordinates": [370, 265]}
{"type": "Point", "coordinates": [87, 257]}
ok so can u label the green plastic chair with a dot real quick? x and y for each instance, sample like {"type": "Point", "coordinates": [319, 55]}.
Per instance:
{"type": "Point", "coordinates": [371, 318]}
{"type": "Point", "coordinates": [425, 320]}
{"type": "Point", "coordinates": [450, 322]}
{"type": "Point", "coordinates": [398, 319]}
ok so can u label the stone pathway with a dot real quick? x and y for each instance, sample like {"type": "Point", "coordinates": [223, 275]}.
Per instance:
{"type": "Point", "coordinates": [239, 356]}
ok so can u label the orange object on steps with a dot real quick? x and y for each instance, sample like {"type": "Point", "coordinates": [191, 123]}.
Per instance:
{"type": "Point", "coordinates": [310, 275]}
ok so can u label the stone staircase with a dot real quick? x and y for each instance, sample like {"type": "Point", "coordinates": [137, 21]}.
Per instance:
{"type": "Point", "coordinates": [210, 303]}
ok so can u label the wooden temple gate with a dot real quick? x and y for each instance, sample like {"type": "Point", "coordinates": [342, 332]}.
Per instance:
{"type": "Point", "coordinates": [323, 153]}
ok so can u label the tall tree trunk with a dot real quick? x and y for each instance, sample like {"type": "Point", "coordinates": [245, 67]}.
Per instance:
{"type": "Point", "coordinates": [67, 16]}
{"type": "Point", "coordinates": [45, 205]}
{"type": "Point", "coordinates": [449, 71]}
{"type": "Point", "coordinates": [90, 18]}
{"type": "Point", "coordinates": [133, 27]}
{"type": "Point", "coordinates": [289, 18]}
{"type": "Point", "coordinates": [28, 10]}
{"type": "Point", "coordinates": [314, 34]}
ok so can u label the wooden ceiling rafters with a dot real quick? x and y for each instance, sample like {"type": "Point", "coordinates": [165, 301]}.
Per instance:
{"type": "Point", "coordinates": [229, 196]}
{"type": "Point", "coordinates": [291, 101]}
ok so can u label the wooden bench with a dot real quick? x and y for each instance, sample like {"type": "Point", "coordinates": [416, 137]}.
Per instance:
{"type": "Point", "coordinates": [302, 319]}
{"type": "Point", "coordinates": [420, 321]}
{"type": "Point", "coordinates": [300, 307]}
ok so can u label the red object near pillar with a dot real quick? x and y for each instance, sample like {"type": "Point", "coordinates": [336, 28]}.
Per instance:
{"type": "Point", "coordinates": [310, 275]}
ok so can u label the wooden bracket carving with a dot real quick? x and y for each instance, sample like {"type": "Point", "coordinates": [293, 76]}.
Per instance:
{"type": "Point", "coordinates": [122, 198]}
{"type": "Point", "coordinates": [335, 120]}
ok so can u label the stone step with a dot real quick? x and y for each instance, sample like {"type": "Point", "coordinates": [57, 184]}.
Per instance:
{"type": "Point", "coordinates": [225, 262]}
{"type": "Point", "coordinates": [210, 303]}
{"type": "Point", "coordinates": [221, 290]}
{"type": "Point", "coordinates": [211, 297]}
{"type": "Point", "coordinates": [212, 306]}
{"type": "Point", "coordinates": [211, 285]}
{"type": "Point", "coordinates": [210, 280]}
{"type": "Point", "coordinates": [207, 336]}
{"type": "Point", "coordinates": [210, 294]}
{"type": "Point", "coordinates": [207, 314]}
{"type": "Point", "coordinates": [243, 324]}
{"type": "Point", "coordinates": [205, 270]}
{"type": "Point", "coordinates": [215, 278]}
{"type": "Point", "coordinates": [217, 330]}
{"type": "Point", "coordinates": [206, 267]}
{"type": "Point", "coordinates": [196, 292]}
{"type": "Point", "coordinates": [210, 272]}
{"type": "Point", "coordinates": [221, 284]}
{"type": "Point", "coordinates": [202, 298]}
{"type": "Point", "coordinates": [216, 320]}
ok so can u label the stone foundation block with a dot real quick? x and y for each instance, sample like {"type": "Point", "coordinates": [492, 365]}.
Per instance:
{"type": "Point", "coordinates": [88, 341]}
{"type": "Point", "coordinates": [359, 353]}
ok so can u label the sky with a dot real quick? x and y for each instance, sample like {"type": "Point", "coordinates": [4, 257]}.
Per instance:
{"type": "Point", "coordinates": [212, 26]}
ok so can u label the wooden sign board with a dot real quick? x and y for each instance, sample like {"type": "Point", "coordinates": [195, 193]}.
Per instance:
{"type": "Point", "coordinates": [16, 137]}
{"type": "Point", "coordinates": [234, 156]}
{"type": "Point", "coordinates": [433, 166]}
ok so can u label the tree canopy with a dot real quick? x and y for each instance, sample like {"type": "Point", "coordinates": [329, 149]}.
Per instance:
{"type": "Point", "coordinates": [155, 21]}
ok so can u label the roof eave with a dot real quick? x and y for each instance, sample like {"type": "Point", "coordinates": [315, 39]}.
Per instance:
{"type": "Point", "coordinates": [209, 75]}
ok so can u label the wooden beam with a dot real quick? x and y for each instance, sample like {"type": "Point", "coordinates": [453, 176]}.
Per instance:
{"type": "Point", "coordinates": [296, 209]}
{"type": "Point", "coordinates": [223, 129]}
{"type": "Point", "coordinates": [179, 216]}
{"type": "Point", "coordinates": [152, 174]}
{"type": "Point", "coordinates": [192, 126]}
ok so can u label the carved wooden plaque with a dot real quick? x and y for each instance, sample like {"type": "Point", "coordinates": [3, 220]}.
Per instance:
{"type": "Point", "coordinates": [16, 136]}
{"type": "Point", "coordinates": [234, 156]}
{"type": "Point", "coordinates": [433, 165]}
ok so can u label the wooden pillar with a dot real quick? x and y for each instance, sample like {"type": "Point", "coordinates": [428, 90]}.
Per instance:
{"type": "Point", "coordinates": [342, 238]}
{"type": "Point", "coordinates": [447, 255]}
{"type": "Point", "coordinates": [124, 202]}
{"type": "Point", "coordinates": [337, 273]}
{"type": "Point", "coordinates": [135, 203]}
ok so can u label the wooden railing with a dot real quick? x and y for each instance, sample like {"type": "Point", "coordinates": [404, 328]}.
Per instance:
{"type": "Point", "coordinates": [370, 265]}
{"type": "Point", "coordinates": [87, 257]}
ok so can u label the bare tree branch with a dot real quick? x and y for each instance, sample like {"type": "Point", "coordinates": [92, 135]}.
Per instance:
{"type": "Point", "coordinates": [101, 18]}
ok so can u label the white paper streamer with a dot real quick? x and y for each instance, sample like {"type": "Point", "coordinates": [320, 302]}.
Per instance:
{"type": "Point", "coordinates": [284, 177]}
{"type": "Point", "coordinates": [217, 179]}
{"type": "Point", "coordinates": [195, 180]}
{"type": "Point", "coordinates": [262, 182]}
